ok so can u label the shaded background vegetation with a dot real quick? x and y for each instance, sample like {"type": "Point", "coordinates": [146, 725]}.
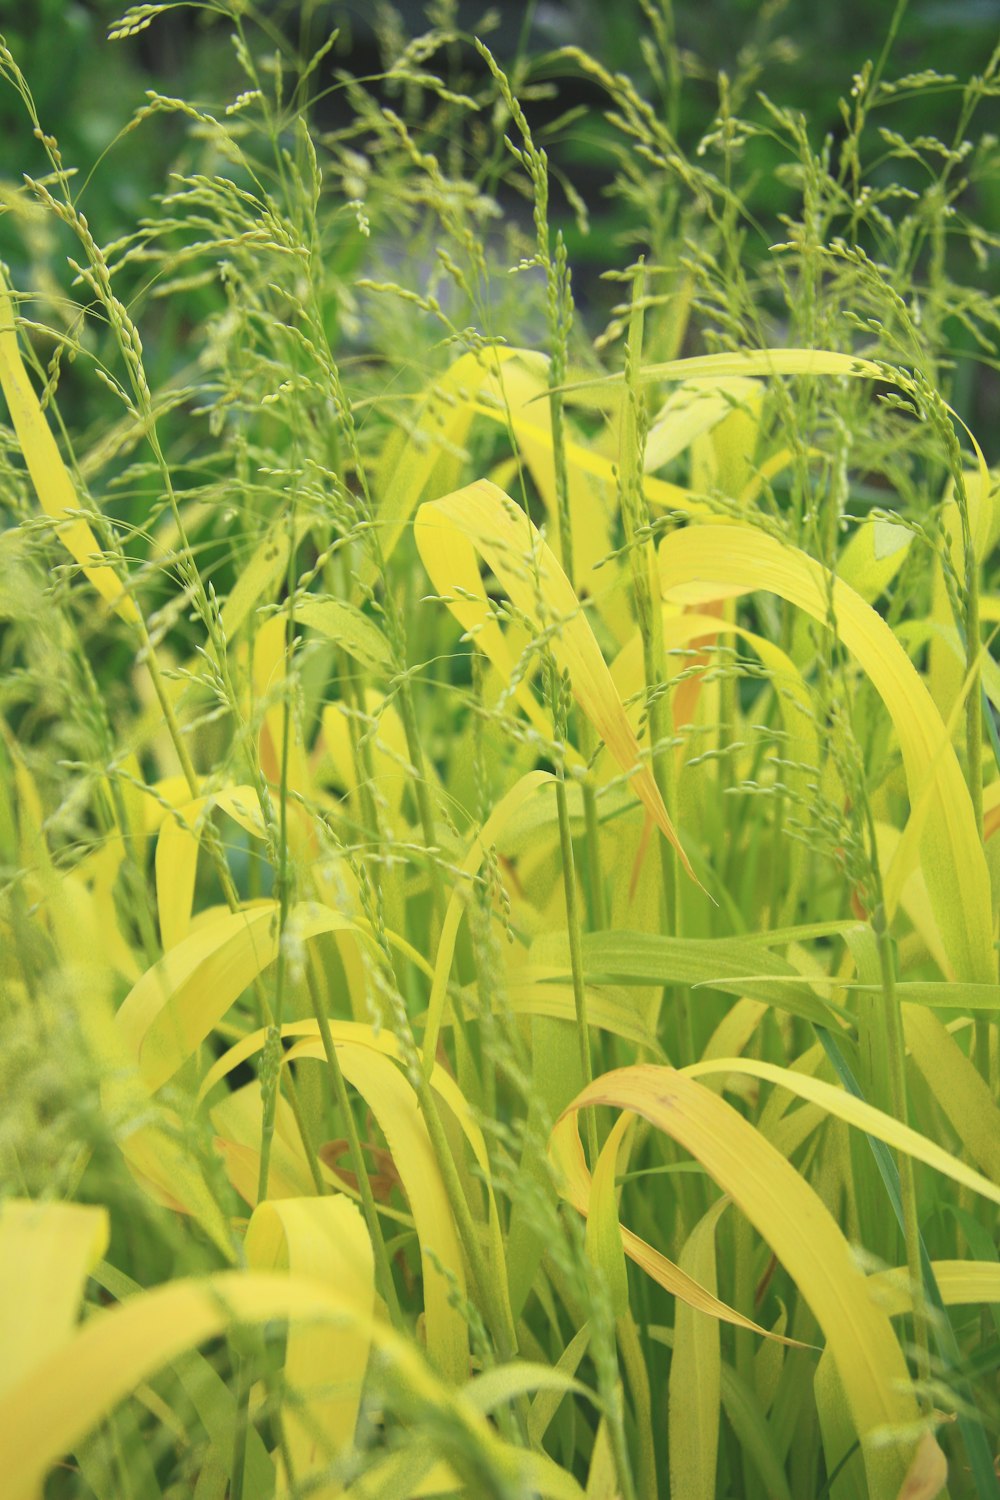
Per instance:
{"type": "Point", "coordinates": [797, 52]}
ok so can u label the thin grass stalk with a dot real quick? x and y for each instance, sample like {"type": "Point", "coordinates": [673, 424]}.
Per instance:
{"type": "Point", "coordinates": [649, 611]}
{"type": "Point", "coordinates": [488, 1028]}
{"type": "Point", "coordinates": [498, 1321]}
{"type": "Point", "coordinates": [559, 317]}
{"type": "Point", "coordinates": [559, 692]}
{"type": "Point", "coordinates": [283, 873]}
{"type": "Point", "coordinates": [387, 1285]}
{"type": "Point", "coordinates": [394, 625]}
{"type": "Point", "coordinates": [133, 866]}
{"type": "Point", "coordinates": [974, 729]}
{"type": "Point", "coordinates": [973, 647]}
{"type": "Point", "coordinates": [559, 303]}
{"type": "Point", "coordinates": [560, 311]}
{"type": "Point", "coordinates": [240, 1426]}
{"type": "Point", "coordinates": [560, 696]}
{"type": "Point", "coordinates": [888, 1045]}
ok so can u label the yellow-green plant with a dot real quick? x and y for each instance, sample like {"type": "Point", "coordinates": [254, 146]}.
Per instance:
{"type": "Point", "coordinates": [500, 890]}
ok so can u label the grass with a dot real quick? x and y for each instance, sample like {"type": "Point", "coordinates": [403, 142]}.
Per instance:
{"type": "Point", "coordinates": [499, 816]}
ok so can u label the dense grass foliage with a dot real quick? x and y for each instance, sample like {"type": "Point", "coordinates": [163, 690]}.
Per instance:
{"type": "Point", "coordinates": [500, 796]}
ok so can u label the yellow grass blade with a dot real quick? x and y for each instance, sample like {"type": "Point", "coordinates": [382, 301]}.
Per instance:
{"type": "Point", "coordinates": [64, 1398]}
{"type": "Point", "coordinates": [260, 573]}
{"type": "Point", "coordinates": [546, 1403]}
{"type": "Point", "coordinates": [362, 1035]}
{"type": "Point", "coordinates": [481, 518]}
{"type": "Point", "coordinates": [586, 462]}
{"type": "Point", "coordinates": [602, 1476]}
{"type": "Point", "coordinates": [323, 1239]}
{"type": "Point", "coordinates": [696, 1374]}
{"type": "Point", "coordinates": [171, 1174]}
{"type": "Point", "coordinates": [704, 561]}
{"type": "Point", "coordinates": [49, 475]}
{"type": "Point", "coordinates": [502, 387]}
{"type": "Point", "coordinates": [566, 1152]}
{"type": "Point", "coordinates": [270, 666]}
{"type": "Point", "coordinates": [740, 363]}
{"type": "Point", "coordinates": [540, 990]}
{"type": "Point", "coordinates": [505, 810]}
{"type": "Point", "coordinates": [604, 1232]}
{"type": "Point", "coordinates": [843, 1457]}
{"type": "Point", "coordinates": [46, 1253]}
{"type": "Point", "coordinates": [450, 560]}
{"type": "Point", "coordinates": [856, 1112]}
{"type": "Point", "coordinates": [176, 858]}
{"type": "Point", "coordinates": [393, 1102]}
{"type": "Point", "coordinates": [515, 408]}
{"type": "Point", "coordinates": [238, 1120]}
{"type": "Point", "coordinates": [991, 810]}
{"type": "Point", "coordinates": [176, 866]}
{"type": "Point", "coordinates": [928, 1473]}
{"type": "Point", "coordinates": [690, 412]}
{"type": "Point", "coordinates": [442, 424]}
{"type": "Point", "coordinates": [388, 749]}
{"type": "Point", "coordinates": [803, 1235]}
{"type": "Point", "coordinates": [176, 1003]}
{"type": "Point", "coordinates": [872, 557]}
{"type": "Point", "coordinates": [960, 1089]}
{"type": "Point", "coordinates": [344, 623]}
{"type": "Point", "coordinates": [448, 1091]}
{"type": "Point", "coordinates": [961, 1283]}
{"type": "Point", "coordinates": [764, 363]}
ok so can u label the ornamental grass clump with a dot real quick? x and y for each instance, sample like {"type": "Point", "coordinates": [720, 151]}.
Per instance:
{"type": "Point", "coordinates": [499, 814]}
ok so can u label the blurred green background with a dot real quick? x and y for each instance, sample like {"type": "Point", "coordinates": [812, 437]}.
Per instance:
{"type": "Point", "coordinates": [801, 54]}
